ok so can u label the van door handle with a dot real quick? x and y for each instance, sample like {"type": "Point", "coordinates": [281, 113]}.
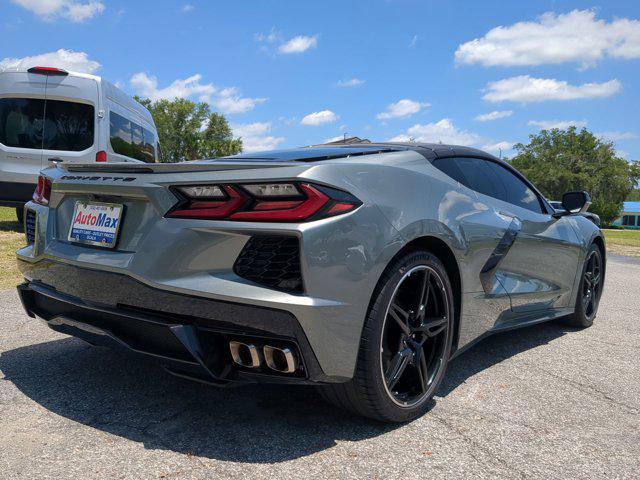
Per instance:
{"type": "Point", "coordinates": [56, 159]}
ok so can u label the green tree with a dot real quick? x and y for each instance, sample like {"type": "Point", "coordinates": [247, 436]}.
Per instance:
{"type": "Point", "coordinates": [190, 131]}
{"type": "Point", "coordinates": [558, 161]}
{"type": "Point", "coordinates": [634, 196]}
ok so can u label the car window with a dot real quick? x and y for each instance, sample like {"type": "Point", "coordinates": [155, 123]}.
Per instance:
{"type": "Point", "coordinates": [481, 178]}
{"type": "Point", "coordinates": [68, 126]}
{"type": "Point", "coordinates": [490, 178]}
{"type": "Point", "coordinates": [21, 122]}
{"type": "Point", "coordinates": [518, 192]}
{"type": "Point", "coordinates": [130, 139]}
{"type": "Point", "coordinates": [450, 168]}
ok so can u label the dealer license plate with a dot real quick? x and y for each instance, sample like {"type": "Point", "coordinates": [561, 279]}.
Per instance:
{"type": "Point", "coordinates": [96, 224]}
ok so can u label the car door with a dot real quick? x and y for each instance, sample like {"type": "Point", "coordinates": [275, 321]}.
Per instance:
{"type": "Point", "coordinates": [21, 121]}
{"type": "Point", "coordinates": [540, 256]}
{"type": "Point", "coordinates": [70, 119]}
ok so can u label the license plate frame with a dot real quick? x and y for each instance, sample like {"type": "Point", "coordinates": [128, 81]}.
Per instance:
{"type": "Point", "coordinates": [76, 237]}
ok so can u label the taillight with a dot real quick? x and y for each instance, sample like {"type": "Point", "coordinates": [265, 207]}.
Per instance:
{"type": "Point", "coordinates": [101, 156]}
{"type": "Point", "coordinates": [43, 191]}
{"type": "Point", "coordinates": [48, 71]}
{"type": "Point", "coordinates": [265, 202]}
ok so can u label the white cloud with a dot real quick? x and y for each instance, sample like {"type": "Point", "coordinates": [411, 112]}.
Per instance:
{"type": "Point", "coordinates": [227, 100]}
{"type": "Point", "coordinates": [525, 89]}
{"type": "Point", "coordinates": [299, 44]}
{"type": "Point", "coordinates": [271, 37]}
{"type": "Point", "coordinates": [334, 139]}
{"type": "Point", "coordinates": [616, 136]}
{"type": "Point", "coordinates": [352, 82]}
{"type": "Point", "coordinates": [414, 41]}
{"type": "Point", "coordinates": [187, 7]}
{"type": "Point", "coordinates": [499, 148]}
{"type": "Point", "coordinates": [443, 131]}
{"type": "Point", "coordinates": [402, 109]}
{"type": "Point", "coordinates": [576, 36]}
{"type": "Point", "coordinates": [495, 115]}
{"type": "Point", "coordinates": [182, 88]}
{"type": "Point", "coordinates": [230, 101]}
{"type": "Point", "coordinates": [559, 124]}
{"type": "Point", "coordinates": [255, 136]}
{"type": "Point", "coordinates": [65, 59]}
{"type": "Point", "coordinates": [75, 11]}
{"type": "Point", "coordinates": [319, 118]}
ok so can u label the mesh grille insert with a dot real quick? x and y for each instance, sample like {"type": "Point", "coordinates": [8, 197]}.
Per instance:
{"type": "Point", "coordinates": [273, 261]}
{"type": "Point", "coordinates": [30, 227]}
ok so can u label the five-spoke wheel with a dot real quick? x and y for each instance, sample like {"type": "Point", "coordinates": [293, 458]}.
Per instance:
{"type": "Point", "coordinates": [405, 344]}
{"type": "Point", "coordinates": [414, 335]}
{"type": "Point", "coordinates": [588, 297]}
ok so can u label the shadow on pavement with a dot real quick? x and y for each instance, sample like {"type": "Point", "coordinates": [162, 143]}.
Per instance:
{"type": "Point", "coordinates": [257, 423]}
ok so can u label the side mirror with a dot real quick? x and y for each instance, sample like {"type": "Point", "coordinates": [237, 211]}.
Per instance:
{"type": "Point", "coordinates": [576, 202]}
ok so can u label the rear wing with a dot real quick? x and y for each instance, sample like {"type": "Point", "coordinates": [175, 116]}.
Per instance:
{"type": "Point", "coordinates": [181, 167]}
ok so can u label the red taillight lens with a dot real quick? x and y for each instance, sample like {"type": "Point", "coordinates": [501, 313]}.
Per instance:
{"type": "Point", "coordinates": [48, 71]}
{"type": "Point", "coordinates": [43, 191]}
{"type": "Point", "coordinates": [211, 209]}
{"type": "Point", "coordinates": [101, 156]}
{"type": "Point", "coordinates": [286, 202]}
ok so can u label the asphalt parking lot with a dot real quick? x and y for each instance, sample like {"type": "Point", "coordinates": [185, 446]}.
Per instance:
{"type": "Point", "coordinates": [544, 402]}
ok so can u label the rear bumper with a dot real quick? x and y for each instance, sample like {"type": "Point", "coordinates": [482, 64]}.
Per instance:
{"type": "Point", "coordinates": [188, 336]}
{"type": "Point", "coordinates": [13, 194]}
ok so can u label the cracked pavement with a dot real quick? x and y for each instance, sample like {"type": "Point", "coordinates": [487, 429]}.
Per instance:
{"type": "Point", "coordinates": [544, 402]}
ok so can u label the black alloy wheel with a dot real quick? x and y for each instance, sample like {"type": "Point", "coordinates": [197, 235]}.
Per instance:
{"type": "Point", "coordinates": [414, 335]}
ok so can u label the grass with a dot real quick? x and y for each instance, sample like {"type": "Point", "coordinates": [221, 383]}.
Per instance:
{"type": "Point", "coordinates": [11, 239]}
{"type": "Point", "coordinates": [623, 242]}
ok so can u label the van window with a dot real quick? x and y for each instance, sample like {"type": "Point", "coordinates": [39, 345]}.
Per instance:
{"type": "Point", "coordinates": [131, 140]}
{"type": "Point", "coordinates": [21, 122]}
{"type": "Point", "coordinates": [68, 126]}
{"type": "Point", "coordinates": [52, 124]}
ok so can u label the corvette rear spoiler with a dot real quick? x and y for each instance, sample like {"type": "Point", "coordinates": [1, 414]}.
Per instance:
{"type": "Point", "coordinates": [181, 167]}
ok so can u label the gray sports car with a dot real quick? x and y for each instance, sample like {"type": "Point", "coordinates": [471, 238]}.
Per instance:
{"type": "Point", "coordinates": [362, 269]}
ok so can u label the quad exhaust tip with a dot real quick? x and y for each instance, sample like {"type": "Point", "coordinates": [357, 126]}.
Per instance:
{"type": "Point", "coordinates": [244, 354]}
{"type": "Point", "coordinates": [280, 359]}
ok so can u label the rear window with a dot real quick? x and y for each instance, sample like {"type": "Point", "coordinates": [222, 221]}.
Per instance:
{"type": "Point", "coordinates": [21, 122]}
{"type": "Point", "coordinates": [131, 139]}
{"type": "Point", "coordinates": [52, 124]}
{"type": "Point", "coordinates": [68, 126]}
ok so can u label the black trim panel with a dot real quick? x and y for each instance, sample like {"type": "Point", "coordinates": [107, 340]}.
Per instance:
{"type": "Point", "coordinates": [493, 262]}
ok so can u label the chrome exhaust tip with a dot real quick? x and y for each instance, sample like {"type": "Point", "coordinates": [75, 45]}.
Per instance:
{"type": "Point", "coordinates": [244, 354]}
{"type": "Point", "coordinates": [280, 359]}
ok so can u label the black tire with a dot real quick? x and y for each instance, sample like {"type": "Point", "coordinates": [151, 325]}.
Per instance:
{"type": "Point", "coordinates": [589, 292]}
{"type": "Point", "coordinates": [20, 214]}
{"type": "Point", "coordinates": [367, 393]}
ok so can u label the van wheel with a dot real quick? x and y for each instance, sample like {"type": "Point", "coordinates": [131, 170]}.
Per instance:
{"type": "Point", "coordinates": [405, 344]}
{"type": "Point", "coordinates": [20, 214]}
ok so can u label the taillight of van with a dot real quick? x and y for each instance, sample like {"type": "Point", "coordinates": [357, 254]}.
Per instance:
{"type": "Point", "coordinates": [48, 71]}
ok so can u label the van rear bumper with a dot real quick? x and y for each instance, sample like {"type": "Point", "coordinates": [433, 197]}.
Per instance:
{"type": "Point", "coordinates": [14, 194]}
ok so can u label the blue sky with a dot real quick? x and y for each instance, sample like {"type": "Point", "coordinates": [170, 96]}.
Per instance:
{"type": "Point", "coordinates": [291, 73]}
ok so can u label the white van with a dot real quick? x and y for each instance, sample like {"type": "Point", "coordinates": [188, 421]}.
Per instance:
{"type": "Point", "coordinates": [51, 115]}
